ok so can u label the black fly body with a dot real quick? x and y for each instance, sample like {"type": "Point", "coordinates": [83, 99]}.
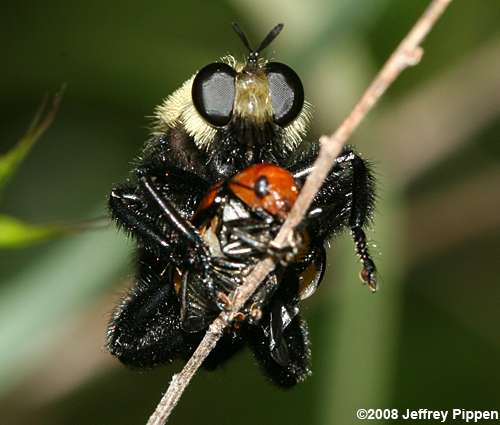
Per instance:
{"type": "Point", "coordinates": [204, 200]}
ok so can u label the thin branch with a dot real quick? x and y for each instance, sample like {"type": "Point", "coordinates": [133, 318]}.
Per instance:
{"type": "Point", "coordinates": [407, 54]}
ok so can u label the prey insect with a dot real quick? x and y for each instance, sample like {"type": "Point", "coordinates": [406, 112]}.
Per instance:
{"type": "Point", "coordinates": [196, 205]}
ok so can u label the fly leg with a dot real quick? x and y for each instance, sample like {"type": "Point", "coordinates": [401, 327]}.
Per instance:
{"type": "Point", "coordinates": [346, 200]}
{"type": "Point", "coordinates": [200, 257]}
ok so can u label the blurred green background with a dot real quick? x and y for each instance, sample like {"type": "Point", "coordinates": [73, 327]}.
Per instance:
{"type": "Point", "coordinates": [428, 339]}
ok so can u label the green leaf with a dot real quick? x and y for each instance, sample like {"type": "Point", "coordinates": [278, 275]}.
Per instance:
{"type": "Point", "coordinates": [44, 117]}
{"type": "Point", "coordinates": [15, 233]}
{"type": "Point", "coordinates": [67, 277]}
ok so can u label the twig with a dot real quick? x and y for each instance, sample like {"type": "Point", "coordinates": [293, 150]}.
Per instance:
{"type": "Point", "coordinates": [407, 54]}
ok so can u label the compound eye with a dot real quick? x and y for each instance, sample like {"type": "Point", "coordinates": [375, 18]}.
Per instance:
{"type": "Point", "coordinates": [213, 93]}
{"type": "Point", "coordinates": [287, 92]}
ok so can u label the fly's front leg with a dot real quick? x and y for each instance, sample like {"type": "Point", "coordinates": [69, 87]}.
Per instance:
{"type": "Point", "coordinates": [127, 210]}
{"type": "Point", "coordinates": [187, 231]}
{"type": "Point", "coordinates": [368, 273]}
{"type": "Point", "coordinates": [198, 255]}
{"type": "Point", "coordinates": [361, 206]}
{"type": "Point", "coordinates": [346, 199]}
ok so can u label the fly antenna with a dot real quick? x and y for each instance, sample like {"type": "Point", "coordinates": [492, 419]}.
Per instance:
{"type": "Point", "coordinates": [237, 29]}
{"type": "Point", "coordinates": [254, 54]}
{"type": "Point", "coordinates": [270, 37]}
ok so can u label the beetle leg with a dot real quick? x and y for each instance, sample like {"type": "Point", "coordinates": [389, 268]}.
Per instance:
{"type": "Point", "coordinates": [248, 244]}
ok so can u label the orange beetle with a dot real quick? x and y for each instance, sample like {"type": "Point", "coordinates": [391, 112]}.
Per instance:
{"type": "Point", "coordinates": [237, 219]}
{"type": "Point", "coordinates": [264, 187]}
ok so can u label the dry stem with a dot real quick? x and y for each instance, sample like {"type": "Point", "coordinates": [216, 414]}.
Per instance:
{"type": "Point", "coordinates": [407, 54]}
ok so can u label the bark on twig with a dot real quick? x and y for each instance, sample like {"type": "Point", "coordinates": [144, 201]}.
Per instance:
{"type": "Point", "coordinates": [408, 53]}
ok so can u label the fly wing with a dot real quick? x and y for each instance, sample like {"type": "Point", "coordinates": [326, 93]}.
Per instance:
{"type": "Point", "coordinates": [279, 319]}
{"type": "Point", "coordinates": [285, 356]}
{"type": "Point", "coordinates": [198, 308]}
{"type": "Point", "coordinates": [202, 296]}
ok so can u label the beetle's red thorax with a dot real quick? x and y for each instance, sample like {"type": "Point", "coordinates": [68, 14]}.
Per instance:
{"type": "Point", "coordinates": [281, 194]}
